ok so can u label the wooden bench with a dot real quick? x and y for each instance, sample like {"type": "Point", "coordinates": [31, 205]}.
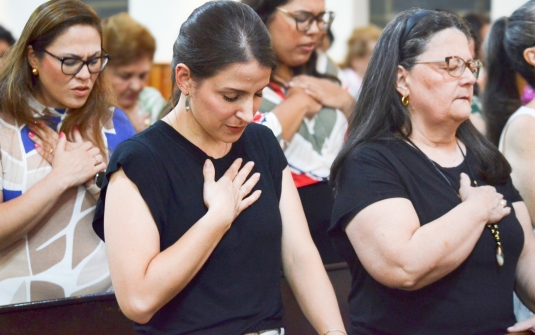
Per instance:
{"type": "Point", "coordinates": [100, 313]}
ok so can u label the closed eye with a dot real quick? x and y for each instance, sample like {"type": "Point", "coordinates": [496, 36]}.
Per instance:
{"type": "Point", "coordinates": [230, 99]}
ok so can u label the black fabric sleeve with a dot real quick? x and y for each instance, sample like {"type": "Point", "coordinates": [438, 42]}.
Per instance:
{"type": "Point", "coordinates": [367, 176]}
{"type": "Point", "coordinates": [509, 192]}
{"type": "Point", "coordinates": [277, 159]}
{"type": "Point", "coordinates": [141, 167]}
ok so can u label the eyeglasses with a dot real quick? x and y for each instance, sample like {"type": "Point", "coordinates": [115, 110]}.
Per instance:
{"type": "Point", "coordinates": [73, 65]}
{"type": "Point", "coordinates": [304, 20]}
{"type": "Point", "coordinates": [456, 65]}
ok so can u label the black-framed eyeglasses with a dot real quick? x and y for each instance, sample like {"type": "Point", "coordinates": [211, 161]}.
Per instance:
{"type": "Point", "coordinates": [456, 65]}
{"type": "Point", "coordinates": [73, 65]}
{"type": "Point", "coordinates": [304, 20]}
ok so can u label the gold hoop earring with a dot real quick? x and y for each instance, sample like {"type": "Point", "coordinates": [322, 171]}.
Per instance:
{"type": "Point", "coordinates": [404, 101]}
{"type": "Point", "coordinates": [188, 107]}
{"type": "Point", "coordinates": [35, 72]}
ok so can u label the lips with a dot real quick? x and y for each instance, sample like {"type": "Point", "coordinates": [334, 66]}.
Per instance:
{"type": "Point", "coordinates": [236, 129]}
{"type": "Point", "coordinates": [308, 47]}
{"type": "Point", "coordinates": [81, 91]}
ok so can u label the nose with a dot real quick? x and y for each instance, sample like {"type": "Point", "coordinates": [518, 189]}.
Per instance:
{"type": "Point", "coordinates": [314, 27]}
{"type": "Point", "coordinates": [468, 77]}
{"type": "Point", "coordinates": [136, 84]}
{"type": "Point", "coordinates": [247, 112]}
{"type": "Point", "coordinates": [84, 72]}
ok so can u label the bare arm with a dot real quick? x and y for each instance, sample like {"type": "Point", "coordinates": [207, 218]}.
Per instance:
{"type": "Point", "coordinates": [302, 263]}
{"type": "Point", "coordinates": [399, 253]}
{"type": "Point", "coordinates": [519, 150]}
{"type": "Point", "coordinates": [144, 278]}
{"type": "Point", "coordinates": [20, 215]}
{"type": "Point", "coordinates": [293, 110]}
{"type": "Point", "coordinates": [525, 269]}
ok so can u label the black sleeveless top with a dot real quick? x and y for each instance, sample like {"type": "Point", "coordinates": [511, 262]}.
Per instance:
{"type": "Point", "coordinates": [238, 289]}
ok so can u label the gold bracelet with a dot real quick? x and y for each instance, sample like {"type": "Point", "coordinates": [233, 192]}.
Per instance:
{"type": "Point", "coordinates": [335, 330]}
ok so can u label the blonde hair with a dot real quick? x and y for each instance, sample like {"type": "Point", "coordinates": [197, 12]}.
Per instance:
{"type": "Point", "coordinates": [357, 45]}
{"type": "Point", "coordinates": [17, 85]}
{"type": "Point", "coordinates": [125, 40]}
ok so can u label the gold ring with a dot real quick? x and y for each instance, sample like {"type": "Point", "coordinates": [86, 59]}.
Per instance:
{"type": "Point", "coordinates": [504, 203]}
{"type": "Point", "coordinates": [147, 122]}
{"type": "Point", "coordinates": [51, 151]}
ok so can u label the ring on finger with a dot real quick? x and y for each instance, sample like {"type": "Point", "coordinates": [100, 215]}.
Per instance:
{"type": "Point", "coordinates": [51, 151]}
{"type": "Point", "coordinates": [503, 202]}
{"type": "Point", "coordinates": [242, 191]}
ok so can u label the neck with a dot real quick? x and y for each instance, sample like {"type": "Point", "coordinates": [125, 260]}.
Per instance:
{"type": "Point", "coordinates": [187, 125]}
{"type": "Point", "coordinates": [439, 143]}
{"type": "Point", "coordinates": [283, 73]}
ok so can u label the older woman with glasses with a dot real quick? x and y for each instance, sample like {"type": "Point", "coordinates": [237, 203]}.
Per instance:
{"type": "Point", "coordinates": [56, 130]}
{"type": "Point", "coordinates": [436, 236]}
{"type": "Point", "coordinates": [305, 105]}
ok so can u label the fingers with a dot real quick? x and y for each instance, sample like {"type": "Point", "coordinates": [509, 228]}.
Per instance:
{"type": "Point", "coordinates": [77, 137]}
{"type": "Point", "coordinates": [233, 169]}
{"type": "Point", "coordinates": [465, 181]}
{"type": "Point", "coordinates": [246, 202]}
{"type": "Point", "coordinates": [247, 187]}
{"type": "Point", "coordinates": [62, 143]}
{"type": "Point", "coordinates": [524, 326]}
{"type": "Point", "coordinates": [208, 172]}
{"type": "Point", "coordinates": [243, 173]}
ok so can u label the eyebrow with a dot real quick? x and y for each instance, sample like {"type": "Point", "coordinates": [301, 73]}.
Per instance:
{"type": "Point", "coordinates": [240, 91]}
{"type": "Point", "coordinates": [69, 55]}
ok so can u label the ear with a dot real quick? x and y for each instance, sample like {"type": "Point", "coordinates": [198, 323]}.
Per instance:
{"type": "Point", "coordinates": [529, 55]}
{"type": "Point", "coordinates": [183, 78]}
{"type": "Point", "coordinates": [32, 58]}
{"type": "Point", "coordinates": [401, 81]}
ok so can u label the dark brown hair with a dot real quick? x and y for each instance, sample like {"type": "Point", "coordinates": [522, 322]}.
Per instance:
{"type": "Point", "coordinates": [17, 85]}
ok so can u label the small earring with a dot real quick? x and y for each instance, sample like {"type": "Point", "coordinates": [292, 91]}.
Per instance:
{"type": "Point", "coordinates": [35, 72]}
{"type": "Point", "coordinates": [188, 107]}
{"type": "Point", "coordinates": [404, 101]}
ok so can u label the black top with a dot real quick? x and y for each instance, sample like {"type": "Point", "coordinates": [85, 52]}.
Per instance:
{"type": "Point", "coordinates": [476, 298]}
{"type": "Point", "coordinates": [238, 288]}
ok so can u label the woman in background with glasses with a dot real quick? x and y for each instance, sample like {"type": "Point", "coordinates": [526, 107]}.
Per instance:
{"type": "Point", "coordinates": [436, 236]}
{"type": "Point", "coordinates": [56, 130]}
{"type": "Point", "coordinates": [305, 106]}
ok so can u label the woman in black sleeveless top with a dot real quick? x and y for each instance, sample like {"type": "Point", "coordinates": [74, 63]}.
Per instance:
{"type": "Point", "coordinates": [199, 211]}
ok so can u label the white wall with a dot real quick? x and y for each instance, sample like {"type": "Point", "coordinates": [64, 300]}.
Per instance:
{"type": "Point", "coordinates": [15, 13]}
{"type": "Point", "coordinates": [164, 21]}
{"type": "Point", "coordinates": [499, 8]}
{"type": "Point", "coordinates": [349, 15]}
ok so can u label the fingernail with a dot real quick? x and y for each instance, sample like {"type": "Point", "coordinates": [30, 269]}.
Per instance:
{"type": "Point", "coordinates": [36, 146]}
{"type": "Point", "coordinates": [62, 134]}
{"type": "Point", "coordinates": [39, 123]}
{"type": "Point", "coordinates": [31, 134]}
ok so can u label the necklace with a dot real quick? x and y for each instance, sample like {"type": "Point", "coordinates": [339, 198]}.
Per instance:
{"type": "Point", "coordinates": [493, 228]}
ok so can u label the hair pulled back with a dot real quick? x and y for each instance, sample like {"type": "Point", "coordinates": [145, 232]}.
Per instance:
{"type": "Point", "coordinates": [504, 53]}
{"type": "Point", "coordinates": [217, 35]}
{"type": "Point", "coordinates": [18, 85]}
{"type": "Point", "coordinates": [379, 114]}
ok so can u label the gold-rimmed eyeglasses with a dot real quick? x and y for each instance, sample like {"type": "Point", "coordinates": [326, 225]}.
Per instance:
{"type": "Point", "coordinates": [73, 65]}
{"type": "Point", "coordinates": [304, 20]}
{"type": "Point", "coordinates": [456, 65]}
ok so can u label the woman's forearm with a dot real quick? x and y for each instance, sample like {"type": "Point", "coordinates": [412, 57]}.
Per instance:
{"type": "Point", "coordinates": [290, 114]}
{"type": "Point", "coordinates": [20, 215]}
{"type": "Point", "coordinates": [313, 290]}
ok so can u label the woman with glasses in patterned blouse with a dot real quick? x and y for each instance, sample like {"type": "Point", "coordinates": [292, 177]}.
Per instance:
{"type": "Point", "coordinates": [56, 130]}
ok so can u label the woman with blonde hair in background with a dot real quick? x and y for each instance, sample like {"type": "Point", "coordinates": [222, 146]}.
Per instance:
{"type": "Point", "coordinates": [359, 50]}
{"type": "Point", "coordinates": [57, 127]}
{"type": "Point", "coordinates": [131, 48]}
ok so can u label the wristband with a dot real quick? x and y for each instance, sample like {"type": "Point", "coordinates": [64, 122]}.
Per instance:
{"type": "Point", "coordinates": [95, 188]}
